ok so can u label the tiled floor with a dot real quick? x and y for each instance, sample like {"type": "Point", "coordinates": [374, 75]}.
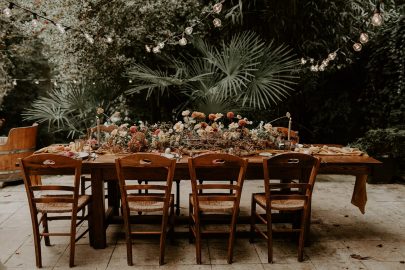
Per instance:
{"type": "Point", "coordinates": [339, 232]}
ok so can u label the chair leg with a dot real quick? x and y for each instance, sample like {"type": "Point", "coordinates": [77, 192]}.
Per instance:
{"type": "Point", "coordinates": [46, 229]}
{"type": "Point", "coordinates": [302, 235]}
{"type": "Point", "coordinates": [177, 197]}
{"type": "Point", "coordinates": [197, 241]}
{"type": "Point", "coordinates": [128, 237]}
{"type": "Point", "coordinates": [37, 243]}
{"type": "Point", "coordinates": [252, 219]}
{"type": "Point", "coordinates": [72, 240]}
{"type": "Point", "coordinates": [163, 232]}
{"type": "Point", "coordinates": [190, 222]}
{"type": "Point", "coordinates": [269, 237]}
{"type": "Point", "coordinates": [172, 219]}
{"type": "Point", "coordinates": [232, 237]}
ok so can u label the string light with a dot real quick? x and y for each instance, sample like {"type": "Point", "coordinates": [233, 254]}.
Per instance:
{"type": "Point", "coordinates": [34, 20]}
{"type": "Point", "coordinates": [36, 81]}
{"type": "Point", "coordinates": [7, 11]}
{"type": "Point", "coordinates": [188, 30]}
{"type": "Point", "coordinates": [217, 22]}
{"type": "Point", "coordinates": [363, 38]}
{"type": "Point", "coordinates": [179, 38]}
{"type": "Point", "coordinates": [357, 47]}
{"type": "Point", "coordinates": [109, 39]}
{"type": "Point", "coordinates": [183, 41]}
{"type": "Point", "coordinates": [89, 38]}
{"type": "Point", "coordinates": [14, 82]}
{"type": "Point", "coordinates": [61, 28]}
{"type": "Point", "coordinates": [376, 20]}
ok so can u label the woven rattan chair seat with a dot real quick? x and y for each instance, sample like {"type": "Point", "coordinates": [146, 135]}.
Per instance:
{"type": "Point", "coordinates": [215, 206]}
{"type": "Point", "coordinates": [148, 206]}
{"type": "Point", "coordinates": [280, 204]}
{"type": "Point", "coordinates": [61, 207]}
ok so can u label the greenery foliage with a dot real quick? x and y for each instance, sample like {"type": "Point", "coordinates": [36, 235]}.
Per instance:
{"type": "Point", "coordinates": [389, 142]}
{"type": "Point", "coordinates": [244, 73]}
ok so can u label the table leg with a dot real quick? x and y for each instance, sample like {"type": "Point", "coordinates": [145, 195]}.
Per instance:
{"type": "Point", "coordinates": [98, 228]}
{"type": "Point", "coordinates": [359, 197]}
{"type": "Point", "coordinates": [114, 196]}
{"type": "Point", "coordinates": [177, 197]}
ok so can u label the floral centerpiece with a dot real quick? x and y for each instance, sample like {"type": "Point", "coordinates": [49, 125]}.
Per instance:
{"type": "Point", "coordinates": [196, 132]}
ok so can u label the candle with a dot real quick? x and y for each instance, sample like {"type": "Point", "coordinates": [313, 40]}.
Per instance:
{"type": "Point", "coordinates": [289, 129]}
{"type": "Point", "coordinates": [98, 130]}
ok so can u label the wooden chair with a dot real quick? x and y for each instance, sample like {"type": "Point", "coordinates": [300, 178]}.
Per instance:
{"type": "Point", "coordinates": [157, 197]}
{"type": "Point", "coordinates": [220, 168]}
{"type": "Point", "coordinates": [51, 199]}
{"type": "Point", "coordinates": [288, 182]}
{"type": "Point", "coordinates": [20, 143]}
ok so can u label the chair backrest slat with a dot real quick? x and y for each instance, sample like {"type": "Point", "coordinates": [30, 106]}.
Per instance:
{"type": "Point", "coordinates": [146, 198]}
{"type": "Point", "coordinates": [145, 187]}
{"type": "Point", "coordinates": [54, 199]}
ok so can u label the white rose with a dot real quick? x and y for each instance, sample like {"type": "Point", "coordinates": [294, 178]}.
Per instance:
{"type": "Point", "coordinates": [185, 113]}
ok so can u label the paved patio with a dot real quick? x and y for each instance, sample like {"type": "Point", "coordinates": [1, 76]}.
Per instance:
{"type": "Point", "coordinates": [341, 237]}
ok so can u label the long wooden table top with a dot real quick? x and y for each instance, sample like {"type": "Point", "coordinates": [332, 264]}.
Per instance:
{"type": "Point", "coordinates": [109, 160]}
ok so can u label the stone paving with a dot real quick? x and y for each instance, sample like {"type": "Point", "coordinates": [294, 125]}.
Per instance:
{"type": "Point", "coordinates": [341, 237]}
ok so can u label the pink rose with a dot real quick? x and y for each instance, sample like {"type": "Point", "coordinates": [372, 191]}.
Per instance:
{"type": "Point", "coordinates": [242, 123]}
{"type": "Point", "coordinates": [133, 129]}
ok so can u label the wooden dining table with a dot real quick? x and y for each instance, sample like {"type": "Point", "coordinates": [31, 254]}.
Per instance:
{"type": "Point", "coordinates": [103, 168]}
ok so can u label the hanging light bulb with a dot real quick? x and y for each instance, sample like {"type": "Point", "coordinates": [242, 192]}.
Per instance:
{"type": "Point", "coordinates": [217, 8]}
{"type": "Point", "coordinates": [183, 41]}
{"type": "Point", "coordinates": [217, 22]}
{"type": "Point", "coordinates": [363, 38]}
{"type": "Point", "coordinates": [14, 82]}
{"type": "Point", "coordinates": [377, 19]}
{"type": "Point", "coordinates": [188, 30]}
{"type": "Point", "coordinates": [74, 81]}
{"type": "Point", "coordinates": [7, 11]}
{"type": "Point", "coordinates": [34, 20]}
{"type": "Point", "coordinates": [109, 39]}
{"type": "Point", "coordinates": [61, 28]}
{"type": "Point", "coordinates": [55, 83]}
{"type": "Point", "coordinates": [130, 81]}
{"type": "Point", "coordinates": [357, 47]}
{"type": "Point", "coordinates": [36, 81]}
{"type": "Point", "coordinates": [89, 38]}
{"type": "Point", "coordinates": [148, 48]}
{"type": "Point", "coordinates": [94, 83]}
{"type": "Point", "coordinates": [332, 56]}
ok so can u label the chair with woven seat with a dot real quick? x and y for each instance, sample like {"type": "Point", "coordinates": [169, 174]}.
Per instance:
{"type": "Point", "coordinates": [48, 198]}
{"type": "Point", "coordinates": [214, 198]}
{"type": "Point", "coordinates": [157, 197]}
{"type": "Point", "coordinates": [289, 179]}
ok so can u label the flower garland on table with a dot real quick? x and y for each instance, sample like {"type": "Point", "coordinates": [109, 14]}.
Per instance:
{"type": "Point", "coordinates": [197, 132]}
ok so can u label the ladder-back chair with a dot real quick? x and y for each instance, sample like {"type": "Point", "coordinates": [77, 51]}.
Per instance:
{"type": "Point", "coordinates": [157, 197]}
{"type": "Point", "coordinates": [289, 179]}
{"type": "Point", "coordinates": [214, 198]}
{"type": "Point", "coordinates": [49, 198]}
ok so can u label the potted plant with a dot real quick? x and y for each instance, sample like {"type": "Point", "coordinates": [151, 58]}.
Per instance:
{"type": "Point", "coordinates": [388, 146]}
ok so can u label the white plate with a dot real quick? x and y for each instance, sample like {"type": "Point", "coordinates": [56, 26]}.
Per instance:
{"type": "Point", "coordinates": [82, 155]}
{"type": "Point", "coordinates": [265, 154]}
{"type": "Point", "coordinates": [167, 155]}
